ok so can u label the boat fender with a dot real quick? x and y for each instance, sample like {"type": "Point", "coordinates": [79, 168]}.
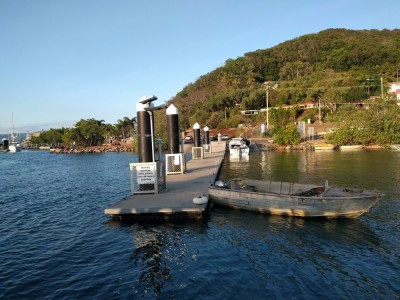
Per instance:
{"type": "Point", "coordinates": [200, 200]}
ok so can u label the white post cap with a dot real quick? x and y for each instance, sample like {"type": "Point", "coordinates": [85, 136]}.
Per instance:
{"type": "Point", "coordinates": [172, 110]}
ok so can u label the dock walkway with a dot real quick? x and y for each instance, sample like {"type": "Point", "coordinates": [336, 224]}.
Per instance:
{"type": "Point", "coordinates": [177, 199]}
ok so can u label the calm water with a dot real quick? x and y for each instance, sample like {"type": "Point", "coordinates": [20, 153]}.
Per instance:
{"type": "Point", "coordinates": [56, 242]}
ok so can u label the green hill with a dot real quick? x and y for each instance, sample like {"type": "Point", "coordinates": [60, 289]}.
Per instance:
{"type": "Point", "coordinates": [333, 66]}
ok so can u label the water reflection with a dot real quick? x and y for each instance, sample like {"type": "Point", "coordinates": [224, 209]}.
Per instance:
{"type": "Point", "coordinates": [159, 252]}
{"type": "Point", "coordinates": [367, 169]}
{"type": "Point", "coordinates": [282, 257]}
{"type": "Point", "coordinates": [295, 253]}
{"type": "Point", "coordinates": [350, 231]}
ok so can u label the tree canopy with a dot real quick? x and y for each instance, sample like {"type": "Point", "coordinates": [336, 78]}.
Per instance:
{"type": "Point", "coordinates": [332, 66]}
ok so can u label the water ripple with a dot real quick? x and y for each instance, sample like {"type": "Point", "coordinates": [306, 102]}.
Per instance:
{"type": "Point", "coordinates": [56, 242]}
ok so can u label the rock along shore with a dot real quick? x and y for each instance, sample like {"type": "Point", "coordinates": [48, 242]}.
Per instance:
{"type": "Point", "coordinates": [94, 149]}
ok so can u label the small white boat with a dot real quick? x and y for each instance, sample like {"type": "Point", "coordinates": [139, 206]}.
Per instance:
{"type": "Point", "coordinates": [351, 147]}
{"type": "Point", "coordinates": [324, 147]}
{"type": "Point", "coordinates": [239, 147]}
{"type": "Point", "coordinates": [14, 145]}
{"type": "Point", "coordinates": [395, 147]}
{"type": "Point", "coordinates": [293, 199]}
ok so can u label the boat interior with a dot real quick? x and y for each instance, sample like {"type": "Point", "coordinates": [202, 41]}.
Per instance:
{"type": "Point", "coordinates": [287, 188]}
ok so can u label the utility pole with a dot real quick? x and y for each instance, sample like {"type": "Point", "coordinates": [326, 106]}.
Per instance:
{"type": "Point", "coordinates": [268, 87]}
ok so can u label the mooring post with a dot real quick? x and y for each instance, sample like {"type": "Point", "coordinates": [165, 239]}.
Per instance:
{"type": "Point", "coordinates": [173, 129]}
{"type": "Point", "coordinates": [197, 150]}
{"type": "Point", "coordinates": [196, 129]}
{"type": "Point", "coordinates": [207, 144]}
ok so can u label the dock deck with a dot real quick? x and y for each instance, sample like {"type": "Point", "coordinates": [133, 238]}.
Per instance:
{"type": "Point", "coordinates": [177, 199]}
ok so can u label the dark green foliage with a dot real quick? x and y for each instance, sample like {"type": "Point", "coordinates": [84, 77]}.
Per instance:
{"type": "Point", "coordinates": [380, 124]}
{"type": "Point", "coordinates": [282, 118]}
{"type": "Point", "coordinates": [286, 136]}
{"type": "Point", "coordinates": [50, 137]}
{"type": "Point", "coordinates": [89, 132]}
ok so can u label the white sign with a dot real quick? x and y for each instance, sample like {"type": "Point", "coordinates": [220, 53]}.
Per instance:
{"type": "Point", "coordinates": [145, 174]}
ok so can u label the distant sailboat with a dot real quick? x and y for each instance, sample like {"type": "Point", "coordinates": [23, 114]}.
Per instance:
{"type": "Point", "coordinates": [14, 145]}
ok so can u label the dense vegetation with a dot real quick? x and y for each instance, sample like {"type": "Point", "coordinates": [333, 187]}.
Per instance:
{"type": "Point", "coordinates": [334, 67]}
{"type": "Point", "coordinates": [379, 124]}
{"type": "Point", "coordinates": [331, 67]}
{"type": "Point", "coordinates": [89, 132]}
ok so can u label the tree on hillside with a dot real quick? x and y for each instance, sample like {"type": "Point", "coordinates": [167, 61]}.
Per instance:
{"type": "Point", "coordinates": [331, 67]}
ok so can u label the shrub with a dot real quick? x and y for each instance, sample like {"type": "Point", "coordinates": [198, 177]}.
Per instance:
{"type": "Point", "coordinates": [287, 136]}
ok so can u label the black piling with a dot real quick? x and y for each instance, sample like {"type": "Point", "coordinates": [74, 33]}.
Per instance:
{"type": "Point", "coordinates": [206, 136]}
{"type": "Point", "coordinates": [196, 129]}
{"type": "Point", "coordinates": [173, 129]}
{"type": "Point", "coordinates": [145, 137]}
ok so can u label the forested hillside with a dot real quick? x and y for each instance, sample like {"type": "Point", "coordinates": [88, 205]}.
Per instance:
{"type": "Point", "coordinates": [333, 66]}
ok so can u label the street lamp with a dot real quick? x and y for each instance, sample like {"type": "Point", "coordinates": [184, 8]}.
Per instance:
{"type": "Point", "coordinates": [269, 85]}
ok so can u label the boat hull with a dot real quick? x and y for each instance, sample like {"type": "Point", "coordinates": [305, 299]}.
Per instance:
{"type": "Point", "coordinates": [14, 148]}
{"type": "Point", "coordinates": [238, 147]}
{"type": "Point", "coordinates": [297, 206]}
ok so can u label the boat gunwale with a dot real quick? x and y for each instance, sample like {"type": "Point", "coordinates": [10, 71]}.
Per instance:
{"type": "Point", "coordinates": [369, 195]}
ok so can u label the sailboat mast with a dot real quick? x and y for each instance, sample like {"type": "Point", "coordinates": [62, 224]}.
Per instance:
{"type": "Point", "coordinates": [13, 136]}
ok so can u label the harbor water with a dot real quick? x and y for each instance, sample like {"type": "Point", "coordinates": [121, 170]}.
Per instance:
{"type": "Point", "coordinates": [57, 243]}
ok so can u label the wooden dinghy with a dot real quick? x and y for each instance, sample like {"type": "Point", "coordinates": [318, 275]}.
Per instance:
{"type": "Point", "coordinates": [293, 199]}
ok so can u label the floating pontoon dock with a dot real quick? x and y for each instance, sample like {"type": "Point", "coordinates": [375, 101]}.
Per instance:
{"type": "Point", "coordinates": [177, 199]}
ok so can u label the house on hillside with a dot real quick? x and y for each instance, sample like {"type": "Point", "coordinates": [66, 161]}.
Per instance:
{"type": "Point", "coordinates": [394, 89]}
{"type": "Point", "coordinates": [304, 105]}
{"type": "Point", "coordinates": [249, 112]}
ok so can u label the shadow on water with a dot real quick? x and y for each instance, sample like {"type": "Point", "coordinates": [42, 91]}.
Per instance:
{"type": "Point", "coordinates": [161, 252]}
{"type": "Point", "coordinates": [349, 231]}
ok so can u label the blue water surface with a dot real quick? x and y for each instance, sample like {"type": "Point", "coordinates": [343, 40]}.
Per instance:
{"type": "Point", "coordinates": [57, 243]}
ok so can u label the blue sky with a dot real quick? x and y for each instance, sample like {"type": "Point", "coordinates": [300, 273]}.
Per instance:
{"type": "Point", "coordinates": [66, 60]}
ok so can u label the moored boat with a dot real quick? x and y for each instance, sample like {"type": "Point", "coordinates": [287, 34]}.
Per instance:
{"type": "Point", "coordinates": [395, 147]}
{"type": "Point", "coordinates": [351, 147]}
{"type": "Point", "coordinates": [293, 199]}
{"type": "Point", "coordinates": [324, 147]}
{"type": "Point", "coordinates": [238, 147]}
{"type": "Point", "coordinates": [14, 145]}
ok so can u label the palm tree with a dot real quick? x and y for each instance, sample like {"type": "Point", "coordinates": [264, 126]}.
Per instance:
{"type": "Point", "coordinates": [126, 126]}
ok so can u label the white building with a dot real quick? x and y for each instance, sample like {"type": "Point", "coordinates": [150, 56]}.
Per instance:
{"type": "Point", "coordinates": [394, 89]}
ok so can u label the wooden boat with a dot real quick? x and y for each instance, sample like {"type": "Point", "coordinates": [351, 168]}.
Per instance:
{"type": "Point", "coordinates": [293, 199]}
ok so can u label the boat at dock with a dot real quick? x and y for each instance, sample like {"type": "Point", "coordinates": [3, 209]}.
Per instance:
{"type": "Point", "coordinates": [239, 146]}
{"type": "Point", "coordinates": [293, 199]}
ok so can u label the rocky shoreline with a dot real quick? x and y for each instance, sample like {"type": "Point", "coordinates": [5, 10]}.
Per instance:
{"type": "Point", "coordinates": [260, 145]}
{"type": "Point", "coordinates": [94, 149]}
